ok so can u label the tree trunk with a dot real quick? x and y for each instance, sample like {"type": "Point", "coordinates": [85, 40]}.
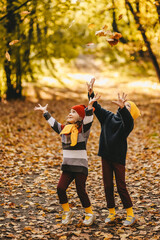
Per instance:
{"type": "Point", "coordinates": [18, 69]}
{"type": "Point", "coordinates": [157, 3]}
{"type": "Point", "coordinates": [147, 42]}
{"type": "Point", "coordinates": [10, 28]}
{"type": "Point", "coordinates": [114, 23]}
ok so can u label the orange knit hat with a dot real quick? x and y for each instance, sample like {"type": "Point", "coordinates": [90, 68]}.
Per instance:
{"type": "Point", "coordinates": [135, 112]}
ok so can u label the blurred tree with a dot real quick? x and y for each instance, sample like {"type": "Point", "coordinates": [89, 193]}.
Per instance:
{"type": "Point", "coordinates": [10, 27]}
{"type": "Point", "coordinates": [59, 29]}
{"type": "Point", "coordinates": [137, 16]}
{"type": "Point", "coordinates": [157, 4]}
{"type": "Point", "coordinates": [114, 22]}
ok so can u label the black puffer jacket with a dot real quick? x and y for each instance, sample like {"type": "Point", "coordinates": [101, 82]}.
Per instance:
{"type": "Point", "coordinates": [115, 129]}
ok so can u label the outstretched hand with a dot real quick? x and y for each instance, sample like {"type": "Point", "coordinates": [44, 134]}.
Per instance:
{"type": "Point", "coordinates": [92, 100]}
{"type": "Point", "coordinates": [90, 85]}
{"type": "Point", "coordinates": [121, 100]}
{"type": "Point", "coordinates": [43, 109]}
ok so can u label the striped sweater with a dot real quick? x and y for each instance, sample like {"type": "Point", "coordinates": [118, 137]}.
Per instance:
{"type": "Point", "coordinates": [74, 157]}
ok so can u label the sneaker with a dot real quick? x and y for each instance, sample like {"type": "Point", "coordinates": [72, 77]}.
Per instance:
{"type": "Point", "coordinates": [111, 217]}
{"type": "Point", "coordinates": [89, 219]}
{"type": "Point", "coordinates": [129, 221]}
{"type": "Point", "coordinates": [66, 217]}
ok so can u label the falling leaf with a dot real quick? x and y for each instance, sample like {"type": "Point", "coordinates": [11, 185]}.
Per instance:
{"type": "Point", "coordinates": [8, 56]}
{"type": "Point", "coordinates": [101, 33]}
{"type": "Point", "coordinates": [110, 39]}
{"type": "Point", "coordinates": [117, 35]}
{"type": "Point", "coordinates": [91, 25]}
{"type": "Point", "coordinates": [105, 27]}
{"type": "Point", "coordinates": [112, 42]}
{"type": "Point", "coordinates": [71, 24]}
{"type": "Point", "coordinates": [25, 13]}
{"type": "Point", "coordinates": [13, 42]}
{"type": "Point", "coordinates": [104, 32]}
{"type": "Point", "coordinates": [90, 44]}
{"type": "Point", "coordinates": [120, 16]}
{"type": "Point", "coordinates": [114, 39]}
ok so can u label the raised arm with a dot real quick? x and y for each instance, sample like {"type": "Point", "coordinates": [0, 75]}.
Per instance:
{"type": "Point", "coordinates": [88, 119]}
{"type": "Point", "coordinates": [56, 126]}
{"type": "Point", "coordinates": [125, 113]}
{"type": "Point", "coordinates": [100, 112]}
{"type": "Point", "coordinates": [90, 86]}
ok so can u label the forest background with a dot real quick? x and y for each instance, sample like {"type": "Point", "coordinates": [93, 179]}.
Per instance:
{"type": "Point", "coordinates": [36, 34]}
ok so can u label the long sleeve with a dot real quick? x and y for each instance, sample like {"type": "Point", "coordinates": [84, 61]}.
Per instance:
{"type": "Point", "coordinates": [56, 126]}
{"type": "Point", "coordinates": [127, 120]}
{"type": "Point", "coordinates": [87, 121]}
{"type": "Point", "coordinates": [100, 112]}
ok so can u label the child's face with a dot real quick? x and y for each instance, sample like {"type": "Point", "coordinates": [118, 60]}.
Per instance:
{"type": "Point", "coordinates": [73, 116]}
{"type": "Point", "coordinates": [128, 106]}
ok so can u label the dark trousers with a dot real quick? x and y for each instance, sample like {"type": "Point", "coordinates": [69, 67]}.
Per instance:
{"type": "Point", "coordinates": [80, 180]}
{"type": "Point", "coordinates": [119, 170]}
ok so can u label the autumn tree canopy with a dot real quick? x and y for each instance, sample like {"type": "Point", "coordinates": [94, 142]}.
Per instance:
{"type": "Point", "coordinates": [33, 33]}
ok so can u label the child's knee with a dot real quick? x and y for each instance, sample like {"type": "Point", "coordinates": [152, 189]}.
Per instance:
{"type": "Point", "coordinates": [60, 189]}
{"type": "Point", "coordinates": [80, 191]}
{"type": "Point", "coordinates": [121, 188]}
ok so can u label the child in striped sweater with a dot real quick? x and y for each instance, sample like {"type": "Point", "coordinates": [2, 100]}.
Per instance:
{"type": "Point", "coordinates": [75, 164]}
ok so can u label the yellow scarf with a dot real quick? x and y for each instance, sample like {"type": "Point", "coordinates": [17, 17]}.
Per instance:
{"type": "Point", "coordinates": [134, 110]}
{"type": "Point", "coordinates": [71, 128]}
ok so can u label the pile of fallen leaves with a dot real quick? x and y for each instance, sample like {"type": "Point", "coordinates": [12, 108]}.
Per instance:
{"type": "Point", "coordinates": [31, 156]}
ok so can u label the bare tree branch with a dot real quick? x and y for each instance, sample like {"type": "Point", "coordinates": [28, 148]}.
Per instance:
{"type": "Point", "coordinates": [15, 9]}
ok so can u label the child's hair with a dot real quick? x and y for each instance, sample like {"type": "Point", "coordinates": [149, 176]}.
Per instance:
{"type": "Point", "coordinates": [79, 123]}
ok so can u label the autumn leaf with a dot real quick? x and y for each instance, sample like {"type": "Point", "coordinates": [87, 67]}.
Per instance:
{"type": "Point", "coordinates": [117, 35]}
{"type": "Point", "coordinates": [27, 228]}
{"type": "Point", "coordinates": [10, 235]}
{"type": "Point", "coordinates": [13, 42]}
{"type": "Point", "coordinates": [112, 42]}
{"type": "Point", "coordinates": [31, 160]}
{"type": "Point", "coordinates": [105, 27]}
{"type": "Point", "coordinates": [101, 33]}
{"type": "Point", "coordinates": [114, 39]}
{"type": "Point", "coordinates": [91, 25]}
{"type": "Point", "coordinates": [71, 24]}
{"type": "Point", "coordinates": [90, 45]}
{"type": "Point", "coordinates": [120, 16]}
{"type": "Point", "coordinates": [24, 13]}
{"type": "Point", "coordinates": [8, 57]}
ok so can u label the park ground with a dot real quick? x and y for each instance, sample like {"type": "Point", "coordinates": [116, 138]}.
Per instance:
{"type": "Point", "coordinates": [31, 157]}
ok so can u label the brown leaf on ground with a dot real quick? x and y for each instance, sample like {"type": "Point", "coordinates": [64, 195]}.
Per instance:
{"type": "Point", "coordinates": [31, 157]}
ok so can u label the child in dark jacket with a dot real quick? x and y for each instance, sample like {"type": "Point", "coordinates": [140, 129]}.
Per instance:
{"type": "Point", "coordinates": [75, 163]}
{"type": "Point", "coordinates": [115, 129]}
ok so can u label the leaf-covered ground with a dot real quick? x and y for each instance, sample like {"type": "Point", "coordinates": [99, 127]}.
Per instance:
{"type": "Point", "coordinates": [31, 156]}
